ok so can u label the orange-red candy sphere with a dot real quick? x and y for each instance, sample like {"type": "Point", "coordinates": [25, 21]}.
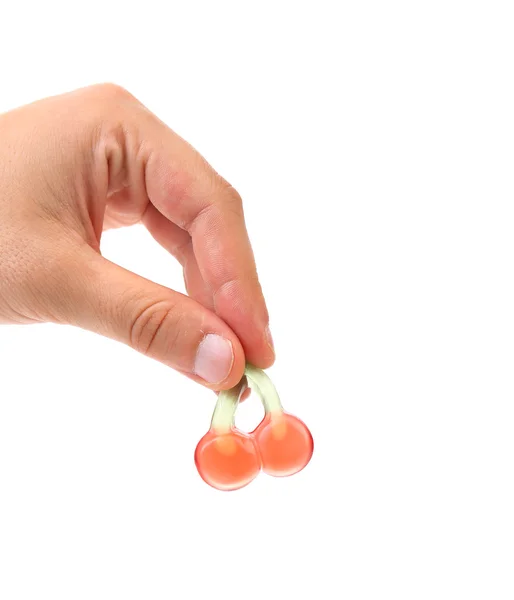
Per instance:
{"type": "Point", "coordinates": [227, 461]}
{"type": "Point", "coordinates": [285, 444]}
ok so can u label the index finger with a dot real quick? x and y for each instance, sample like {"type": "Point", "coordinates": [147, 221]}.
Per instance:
{"type": "Point", "coordinates": [188, 192]}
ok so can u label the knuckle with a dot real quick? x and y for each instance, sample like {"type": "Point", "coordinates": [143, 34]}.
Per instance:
{"type": "Point", "coordinates": [233, 198]}
{"type": "Point", "coordinates": [226, 198]}
{"type": "Point", "coordinates": [221, 200]}
{"type": "Point", "coordinates": [150, 322]}
{"type": "Point", "coordinates": [112, 92]}
{"type": "Point", "coordinates": [110, 102]}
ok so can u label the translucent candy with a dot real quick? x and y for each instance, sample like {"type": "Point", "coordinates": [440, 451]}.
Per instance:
{"type": "Point", "coordinates": [227, 461]}
{"type": "Point", "coordinates": [281, 445]}
{"type": "Point", "coordinates": [285, 444]}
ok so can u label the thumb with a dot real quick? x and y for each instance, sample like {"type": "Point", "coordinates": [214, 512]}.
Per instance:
{"type": "Point", "coordinates": [156, 321]}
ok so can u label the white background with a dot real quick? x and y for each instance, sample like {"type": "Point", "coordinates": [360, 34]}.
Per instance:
{"type": "Point", "coordinates": [373, 144]}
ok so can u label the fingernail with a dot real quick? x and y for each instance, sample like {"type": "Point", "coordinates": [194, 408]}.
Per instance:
{"type": "Point", "coordinates": [269, 339]}
{"type": "Point", "coordinates": [214, 358]}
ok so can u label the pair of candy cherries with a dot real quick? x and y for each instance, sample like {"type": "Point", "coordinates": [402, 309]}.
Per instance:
{"type": "Point", "coordinates": [281, 445]}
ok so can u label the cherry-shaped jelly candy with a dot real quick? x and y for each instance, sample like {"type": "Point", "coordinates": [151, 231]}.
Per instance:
{"type": "Point", "coordinates": [285, 443]}
{"type": "Point", "coordinates": [227, 461]}
{"type": "Point", "coordinates": [226, 458]}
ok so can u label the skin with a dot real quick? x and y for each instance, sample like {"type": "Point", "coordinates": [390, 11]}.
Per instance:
{"type": "Point", "coordinates": [75, 165]}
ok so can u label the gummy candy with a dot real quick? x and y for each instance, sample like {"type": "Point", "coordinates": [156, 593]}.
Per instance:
{"type": "Point", "coordinates": [281, 445]}
{"type": "Point", "coordinates": [285, 445]}
{"type": "Point", "coordinates": [227, 461]}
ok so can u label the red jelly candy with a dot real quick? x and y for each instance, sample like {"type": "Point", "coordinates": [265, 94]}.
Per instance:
{"type": "Point", "coordinates": [227, 461]}
{"type": "Point", "coordinates": [285, 444]}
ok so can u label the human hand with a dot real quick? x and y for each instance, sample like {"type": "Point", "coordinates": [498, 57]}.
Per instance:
{"type": "Point", "coordinates": [72, 166]}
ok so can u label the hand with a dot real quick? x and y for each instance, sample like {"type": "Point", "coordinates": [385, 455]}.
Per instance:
{"type": "Point", "coordinates": [74, 165]}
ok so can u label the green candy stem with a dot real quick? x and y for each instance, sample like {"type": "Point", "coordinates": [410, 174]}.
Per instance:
{"type": "Point", "coordinates": [264, 388]}
{"type": "Point", "coordinates": [225, 409]}
{"type": "Point", "coordinates": [226, 406]}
